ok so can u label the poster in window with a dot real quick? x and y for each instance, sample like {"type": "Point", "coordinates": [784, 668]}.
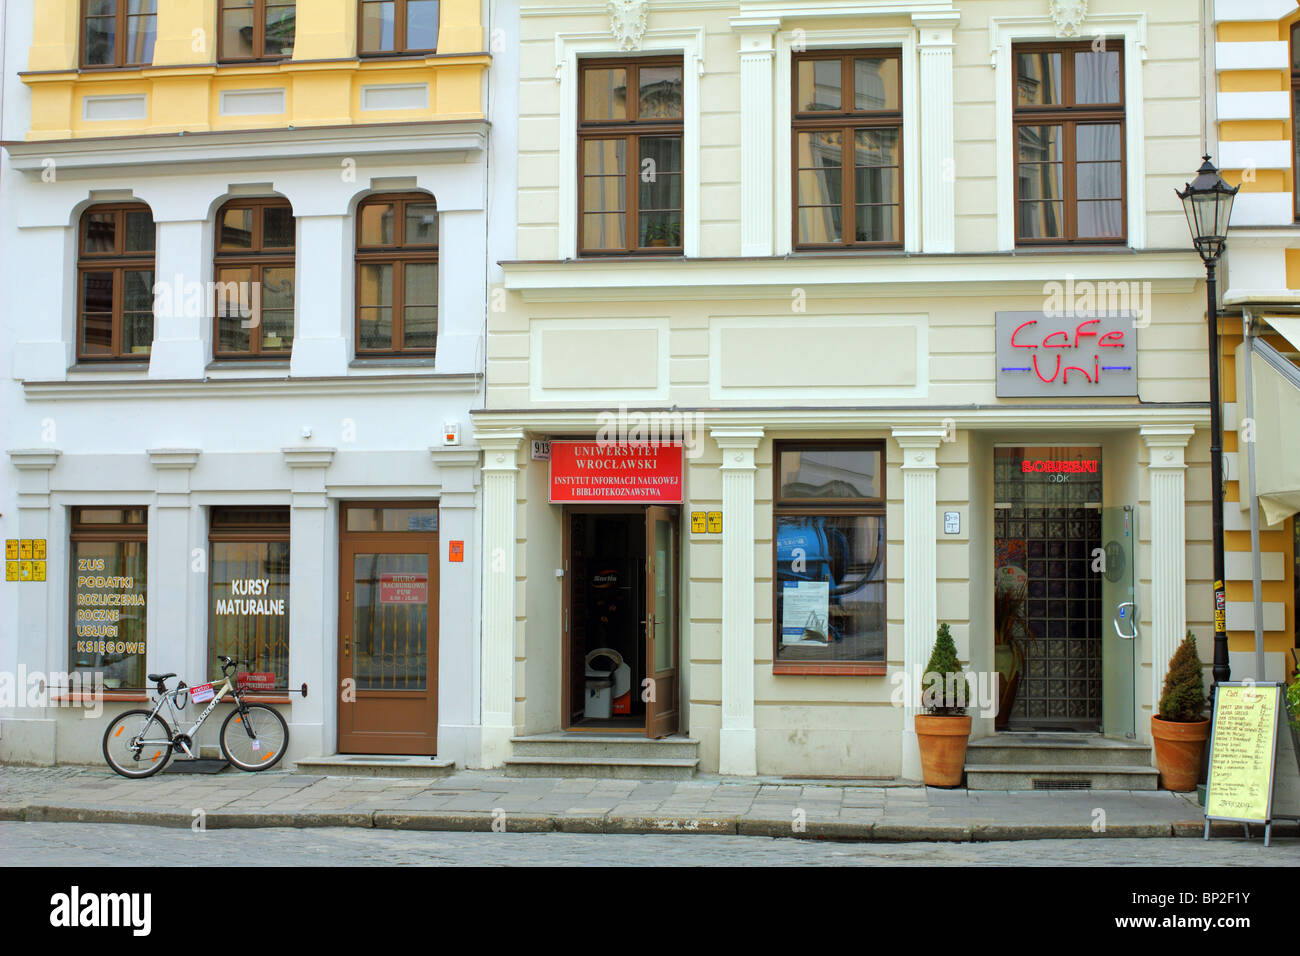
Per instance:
{"type": "Point", "coordinates": [805, 610]}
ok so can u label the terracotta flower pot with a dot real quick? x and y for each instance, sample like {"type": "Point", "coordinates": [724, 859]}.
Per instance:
{"type": "Point", "coordinates": [943, 748]}
{"type": "Point", "coordinates": [1179, 747]}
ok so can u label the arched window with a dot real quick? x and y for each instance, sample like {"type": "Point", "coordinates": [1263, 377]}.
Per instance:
{"type": "Point", "coordinates": [397, 274]}
{"type": "Point", "coordinates": [115, 265]}
{"type": "Point", "coordinates": [254, 273]}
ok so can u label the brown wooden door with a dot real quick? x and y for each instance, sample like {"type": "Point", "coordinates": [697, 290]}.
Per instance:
{"type": "Point", "coordinates": [661, 603]}
{"type": "Point", "coordinates": [388, 629]}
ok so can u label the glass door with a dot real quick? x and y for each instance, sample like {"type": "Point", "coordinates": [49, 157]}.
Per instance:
{"type": "Point", "coordinates": [1119, 618]}
{"type": "Point", "coordinates": [661, 622]}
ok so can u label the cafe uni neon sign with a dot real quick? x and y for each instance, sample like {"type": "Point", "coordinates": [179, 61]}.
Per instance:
{"type": "Point", "coordinates": [1083, 355]}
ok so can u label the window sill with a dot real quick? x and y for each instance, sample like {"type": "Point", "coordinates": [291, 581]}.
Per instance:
{"type": "Point", "coordinates": [110, 366]}
{"type": "Point", "coordinates": [223, 364]}
{"type": "Point", "coordinates": [831, 670]}
{"type": "Point", "coordinates": [394, 361]}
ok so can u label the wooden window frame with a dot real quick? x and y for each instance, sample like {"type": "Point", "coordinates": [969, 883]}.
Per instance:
{"type": "Point", "coordinates": [1295, 133]}
{"type": "Point", "coordinates": [846, 122]}
{"type": "Point", "coordinates": [119, 262]}
{"type": "Point", "coordinates": [256, 259]}
{"type": "Point", "coordinates": [398, 255]}
{"type": "Point", "coordinates": [399, 32]}
{"type": "Point", "coordinates": [120, 17]}
{"type": "Point", "coordinates": [1069, 117]}
{"type": "Point", "coordinates": [105, 533]}
{"type": "Point", "coordinates": [259, 34]}
{"type": "Point", "coordinates": [840, 507]}
{"type": "Point", "coordinates": [631, 129]}
{"type": "Point", "coordinates": [247, 532]}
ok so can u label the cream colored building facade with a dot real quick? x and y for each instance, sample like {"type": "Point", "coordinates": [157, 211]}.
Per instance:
{"type": "Point", "coordinates": [748, 342]}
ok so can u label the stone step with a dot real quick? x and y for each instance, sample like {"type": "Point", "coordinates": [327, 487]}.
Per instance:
{"type": "Point", "coordinates": [377, 765]}
{"type": "Point", "coordinates": [623, 746]}
{"type": "Point", "coordinates": [618, 768]}
{"type": "Point", "coordinates": [1100, 751]}
{"type": "Point", "coordinates": [1060, 777]}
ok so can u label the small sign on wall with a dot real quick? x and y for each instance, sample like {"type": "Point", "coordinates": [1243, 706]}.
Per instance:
{"type": "Point", "coordinates": [455, 550]}
{"type": "Point", "coordinates": [541, 450]}
{"type": "Point", "coordinates": [1066, 355]}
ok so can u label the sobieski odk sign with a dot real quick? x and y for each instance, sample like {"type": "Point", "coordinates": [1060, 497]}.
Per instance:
{"type": "Point", "coordinates": [1070, 355]}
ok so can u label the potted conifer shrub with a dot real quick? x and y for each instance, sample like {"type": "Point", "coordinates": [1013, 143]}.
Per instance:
{"type": "Point", "coordinates": [943, 730]}
{"type": "Point", "coordinates": [1180, 728]}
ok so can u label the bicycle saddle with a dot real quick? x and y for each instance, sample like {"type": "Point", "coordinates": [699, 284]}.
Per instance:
{"type": "Point", "coordinates": [159, 677]}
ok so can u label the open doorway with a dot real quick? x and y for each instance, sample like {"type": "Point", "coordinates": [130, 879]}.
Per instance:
{"type": "Point", "coordinates": [621, 613]}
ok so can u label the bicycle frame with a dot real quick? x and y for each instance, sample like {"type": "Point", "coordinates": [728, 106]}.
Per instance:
{"type": "Point", "coordinates": [226, 686]}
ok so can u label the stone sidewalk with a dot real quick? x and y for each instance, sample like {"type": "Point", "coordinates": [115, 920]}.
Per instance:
{"type": "Point", "coordinates": [483, 800]}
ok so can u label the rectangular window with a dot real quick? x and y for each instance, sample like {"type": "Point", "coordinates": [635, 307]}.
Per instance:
{"type": "Point", "coordinates": [1069, 134]}
{"type": "Point", "coordinates": [396, 27]}
{"type": "Point", "coordinates": [630, 157]}
{"type": "Point", "coordinates": [118, 32]}
{"type": "Point", "coordinates": [109, 548]}
{"type": "Point", "coordinates": [256, 30]}
{"type": "Point", "coordinates": [848, 149]}
{"type": "Point", "coordinates": [829, 517]}
{"type": "Point", "coordinates": [249, 593]}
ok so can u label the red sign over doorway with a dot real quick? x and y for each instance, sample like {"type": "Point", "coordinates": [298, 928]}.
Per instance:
{"type": "Point", "coordinates": [599, 471]}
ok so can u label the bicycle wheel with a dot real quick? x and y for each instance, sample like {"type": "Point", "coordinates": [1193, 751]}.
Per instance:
{"type": "Point", "coordinates": [256, 739]}
{"type": "Point", "coordinates": [137, 744]}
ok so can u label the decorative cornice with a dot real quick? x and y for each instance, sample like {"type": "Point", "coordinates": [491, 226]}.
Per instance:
{"type": "Point", "coordinates": [165, 459]}
{"type": "Point", "coordinates": [34, 459]}
{"type": "Point", "coordinates": [307, 456]}
{"type": "Point", "coordinates": [89, 387]}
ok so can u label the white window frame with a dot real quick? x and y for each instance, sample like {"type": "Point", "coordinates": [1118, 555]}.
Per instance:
{"type": "Point", "coordinates": [868, 39]}
{"type": "Point", "coordinates": [569, 48]}
{"type": "Point", "coordinates": [1003, 32]}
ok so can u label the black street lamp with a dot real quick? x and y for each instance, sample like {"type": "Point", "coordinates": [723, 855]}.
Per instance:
{"type": "Point", "coordinates": [1207, 200]}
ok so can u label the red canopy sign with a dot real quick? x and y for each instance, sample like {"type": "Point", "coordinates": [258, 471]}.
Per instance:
{"type": "Point", "coordinates": [599, 471]}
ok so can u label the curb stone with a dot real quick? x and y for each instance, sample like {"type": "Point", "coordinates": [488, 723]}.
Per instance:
{"type": "Point", "coordinates": [653, 824]}
{"type": "Point", "coordinates": [921, 833]}
{"type": "Point", "coordinates": [999, 832]}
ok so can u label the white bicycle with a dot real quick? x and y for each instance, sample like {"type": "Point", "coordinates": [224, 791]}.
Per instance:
{"type": "Point", "coordinates": [139, 743]}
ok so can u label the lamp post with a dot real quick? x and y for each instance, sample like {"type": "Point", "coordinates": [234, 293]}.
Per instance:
{"type": "Point", "coordinates": [1207, 201]}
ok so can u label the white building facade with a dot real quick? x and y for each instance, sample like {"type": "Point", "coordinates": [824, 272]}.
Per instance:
{"type": "Point", "coordinates": [291, 481]}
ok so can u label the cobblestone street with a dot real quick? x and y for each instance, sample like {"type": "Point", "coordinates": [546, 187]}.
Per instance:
{"type": "Point", "coordinates": [93, 845]}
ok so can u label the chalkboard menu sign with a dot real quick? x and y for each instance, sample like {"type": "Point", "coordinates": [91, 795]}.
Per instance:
{"type": "Point", "coordinates": [1243, 751]}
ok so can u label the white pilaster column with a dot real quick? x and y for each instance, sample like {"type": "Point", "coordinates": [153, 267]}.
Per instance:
{"type": "Point", "coordinates": [1168, 471]}
{"type": "Point", "coordinates": [322, 343]}
{"type": "Point", "coordinates": [172, 644]}
{"type": "Point", "coordinates": [757, 187]}
{"type": "Point", "coordinates": [313, 605]}
{"type": "Point", "coordinates": [920, 576]}
{"type": "Point", "coordinates": [46, 336]}
{"type": "Point", "coordinates": [738, 747]}
{"type": "Point", "coordinates": [500, 500]}
{"type": "Point", "coordinates": [459, 731]}
{"type": "Point", "coordinates": [938, 159]}
{"type": "Point", "coordinates": [30, 734]}
{"type": "Point", "coordinates": [182, 313]}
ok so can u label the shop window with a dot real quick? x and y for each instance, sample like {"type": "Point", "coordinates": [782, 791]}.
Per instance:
{"type": "Point", "coordinates": [254, 272]}
{"type": "Point", "coordinates": [249, 593]}
{"type": "Point", "coordinates": [630, 156]}
{"type": "Point", "coordinates": [115, 269]}
{"type": "Point", "coordinates": [829, 516]}
{"type": "Point", "coordinates": [397, 275]}
{"type": "Point", "coordinates": [848, 149]}
{"type": "Point", "coordinates": [118, 32]}
{"type": "Point", "coordinates": [109, 595]}
{"type": "Point", "coordinates": [256, 30]}
{"type": "Point", "coordinates": [1068, 122]}
{"type": "Point", "coordinates": [395, 27]}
